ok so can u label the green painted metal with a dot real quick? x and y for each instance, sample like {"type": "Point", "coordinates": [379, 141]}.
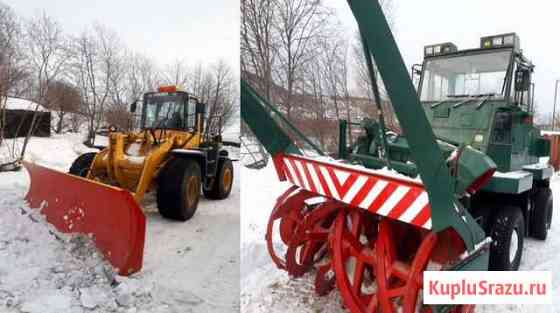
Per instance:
{"type": "Point", "coordinates": [256, 113]}
{"type": "Point", "coordinates": [342, 131]}
{"type": "Point", "coordinates": [498, 125]}
{"type": "Point", "coordinates": [511, 148]}
{"type": "Point", "coordinates": [514, 182]}
{"type": "Point", "coordinates": [473, 264]}
{"type": "Point", "coordinates": [472, 167]}
{"type": "Point", "coordinates": [380, 116]}
{"type": "Point", "coordinates": [424, 149]}
{"type": "Point", "coordinates": [377, 163]}
{"type": "Point", "coordinates": [540, 171]}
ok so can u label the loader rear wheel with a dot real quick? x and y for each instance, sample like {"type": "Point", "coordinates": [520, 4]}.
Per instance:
{"type": "Point", "coordinates": [80, 166]}
{"type": "Point", "coordinates": [542, 218]}
{"type": "Point", "coordinates": [507, 232]}
{"type": "Point", "coordinates": [178, 190]}
{"type": "Point", "coordinates": [221, 187]}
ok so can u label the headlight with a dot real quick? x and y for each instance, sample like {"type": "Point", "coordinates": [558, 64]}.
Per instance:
{"type": "Point", "coordinates": [509, 40]}
{"type": "Point", "coordinates": [433, 50]}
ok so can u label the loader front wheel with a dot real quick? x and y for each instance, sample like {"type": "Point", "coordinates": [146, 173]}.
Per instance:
{"type": "Point", "coordinates": [178, 190]}
{"type": "Point", "coordinates": [221, 187]}
{"type": "Point", "coordinates": [80, 166]}
{"type": "Point", "coordinates": [507, 232]}
{"type": "Point", "coordinates": [542, 218]}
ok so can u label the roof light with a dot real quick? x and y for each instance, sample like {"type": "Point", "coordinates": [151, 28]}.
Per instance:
{"type": "Point", "coordinates": [498, 41]}
{"type": "Point", "coordinates": [167, 89]}
{"type": "Point", "coordinates": [429, 50]}
{"type": "Point", "coordinates": [504, 40]}
{"type": "Point", "coordinates": [509, 40]}
{"type": "Point", "coordinates": [439, 49]}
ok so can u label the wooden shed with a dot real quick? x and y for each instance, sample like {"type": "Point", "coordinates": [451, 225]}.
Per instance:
{"type": "Point", "coordinates": [19, 116]}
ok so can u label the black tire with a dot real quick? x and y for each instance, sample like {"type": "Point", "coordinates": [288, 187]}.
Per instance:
{"type": "Point", "coordinates": [221, 187]}
{"type": "Point", "coordinates": [178, 191]}
{"type": "Point", "coordinates": [506, 221]}
{"type": "Point", "coordinates": [542, 214]}
{"type": "Point", "coordinates": [80, 166]}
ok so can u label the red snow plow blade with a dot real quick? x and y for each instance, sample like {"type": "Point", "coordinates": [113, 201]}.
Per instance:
{"type": "Point", "coordinates": [77, 205]}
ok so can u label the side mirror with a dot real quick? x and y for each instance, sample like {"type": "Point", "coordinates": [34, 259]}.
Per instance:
{"type": "Point", "coordinates": [133, 106]}
{"type": "Point", "coordinates": [522, 80]}
{"type": "Point", "coordinates": [200, 108]}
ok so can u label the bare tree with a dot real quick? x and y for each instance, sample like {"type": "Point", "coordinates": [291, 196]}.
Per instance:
{"type": "Point", "coordinates": [259, 42]}
{"type": "Point", "coordinates": [176, 73]}
{"type": "Point", "coordinates": [96, 68]}
{"type": "Point", "coordinates": [119, 116]}
{"type": "Point", "coordinates": [11, 72]}
{"type": "Point", "coordinates": [63, 99]}
{"type": "Point", "coordinates": [299, 24]}
{"type": "Point", "coordinates": [333, 64]}
{"type": "Point", "coordinates": [201, 82]}
{"type": "Point", "coordinates": [362, 79]}
{"type": "Point", "coordinates": [142, 75]}
{"type": "Point", "coordinates": [47, 55]}
{"type": "Point", "coordinates": [223, 99]}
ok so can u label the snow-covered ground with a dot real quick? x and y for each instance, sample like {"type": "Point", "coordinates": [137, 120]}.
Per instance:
{"type": "Point", "coordinates": [264, 288]}
{"type": "Point", "coordinates": [188, 267]}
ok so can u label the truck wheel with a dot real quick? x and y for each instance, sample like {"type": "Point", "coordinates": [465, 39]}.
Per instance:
{"type": "Point", "coordinates": [542, 217]}
{"type": "Point", "coordinates": [178, 189]}
{"type": "Point", "coordinates": [80, 166]}
{"type": "Point", "coordinates": [507, 232]}
{"type": "Point", "coordinates": [221, 187]}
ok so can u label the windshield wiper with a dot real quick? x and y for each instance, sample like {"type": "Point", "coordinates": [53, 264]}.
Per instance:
{"type": "Point", "coordinates": [471, 98]}
{"type": "Point", "coordinates": [458, 96]}
{"type": "Point", "coordinates": [479, 95]}
{"type": "Point", "coordinates": [492, 94]}
{"type": "Point", "coordinates": [458, 104]}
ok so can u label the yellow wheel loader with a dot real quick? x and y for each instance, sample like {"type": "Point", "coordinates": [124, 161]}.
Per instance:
{"type": "Point", "coordinates": [172, 154]}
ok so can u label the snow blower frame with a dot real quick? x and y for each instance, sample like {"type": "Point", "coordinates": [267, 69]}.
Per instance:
{"type": "Point", "coordinates": [371, 232]}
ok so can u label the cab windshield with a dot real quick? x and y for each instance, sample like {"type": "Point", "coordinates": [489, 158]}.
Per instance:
{"type": "Point", "coordinates": [465, 76]}
{"type": "Point", "coordinates": [168, 111]}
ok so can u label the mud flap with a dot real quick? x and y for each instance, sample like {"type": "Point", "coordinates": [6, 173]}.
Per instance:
{"type": "Point", "coordinates": [77, 205]}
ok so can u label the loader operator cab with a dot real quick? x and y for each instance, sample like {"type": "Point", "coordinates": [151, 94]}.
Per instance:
{"type": "Point", "coordinates": [480, 97]}
{"type": "Point", "coordinates": [172, 109]}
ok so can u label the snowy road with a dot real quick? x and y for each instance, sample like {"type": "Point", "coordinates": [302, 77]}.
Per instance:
{"type": "Point", "coordinates": [267, 289]}
{"type": "Point", "coordinates": [188, 267]}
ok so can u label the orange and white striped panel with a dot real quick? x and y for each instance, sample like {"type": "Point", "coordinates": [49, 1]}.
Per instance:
{"type": "Point", "coordinates": [394, 197]}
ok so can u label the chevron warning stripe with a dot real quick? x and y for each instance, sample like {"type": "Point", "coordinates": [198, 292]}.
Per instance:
{"type": "Point", "coordinates": [397, 198]}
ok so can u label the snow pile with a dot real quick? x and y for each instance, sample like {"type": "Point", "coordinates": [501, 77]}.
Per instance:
{"type": "Point", "coordinates": [42, 271]}
{"type": "Point", "coordinates": [268, 289]}
{"type": "Point", "coordinates": [57, 151]}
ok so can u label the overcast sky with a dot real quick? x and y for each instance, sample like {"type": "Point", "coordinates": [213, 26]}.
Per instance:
{"type": "Point", "coordinates": [167, 30]}
{"type": "Point", "coordinates": [419, 23]}
{"type": "Point", "coordinates": [209, 30]}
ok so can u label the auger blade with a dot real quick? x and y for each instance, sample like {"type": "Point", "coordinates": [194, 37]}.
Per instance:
{"type": "Point", "coordinates": [77, 205]}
